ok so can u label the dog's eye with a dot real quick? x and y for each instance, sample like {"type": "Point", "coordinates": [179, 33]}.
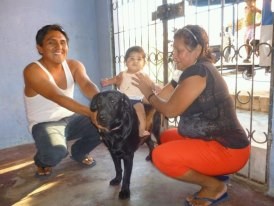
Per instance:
{"type": "Point", "coordinates": [112, 100]}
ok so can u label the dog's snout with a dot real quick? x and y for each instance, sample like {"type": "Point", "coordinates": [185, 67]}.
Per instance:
{"type": "Point", "coordinates": [102, 117]}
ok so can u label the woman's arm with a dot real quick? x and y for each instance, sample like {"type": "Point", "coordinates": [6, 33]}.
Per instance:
{"type": "Point", "coordinates": [172, 102]}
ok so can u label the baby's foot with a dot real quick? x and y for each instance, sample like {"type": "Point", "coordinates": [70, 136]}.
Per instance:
{"type": "Point", "coordinates": [145, 133]}
{"type": "Point", "coordinates": [144, 137]}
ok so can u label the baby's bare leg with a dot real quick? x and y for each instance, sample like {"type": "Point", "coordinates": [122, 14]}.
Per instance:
{"type": "Point", "coordinates": [140, 110]}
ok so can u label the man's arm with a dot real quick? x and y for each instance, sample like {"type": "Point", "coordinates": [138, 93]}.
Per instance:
{"type": "Point", "coordinates": [37, 82]}
{"type": "Point", "coordinates": [88, 88]}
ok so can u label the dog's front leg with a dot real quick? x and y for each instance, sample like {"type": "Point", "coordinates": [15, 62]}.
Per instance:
{"type": "Point", "coordinates": [128, 164]}
{"type": "Point", "coordinates": [118, 170]}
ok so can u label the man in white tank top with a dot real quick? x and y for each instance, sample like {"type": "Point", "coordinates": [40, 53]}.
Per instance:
{"type": "Point", "coordinates": [54, 116]}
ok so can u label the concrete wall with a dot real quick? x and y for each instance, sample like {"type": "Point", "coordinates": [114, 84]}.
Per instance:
{"type": "Point", "coordinates": [87, 23]}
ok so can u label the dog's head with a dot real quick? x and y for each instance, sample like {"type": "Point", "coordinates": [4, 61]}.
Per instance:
{"type": "Point", "coordinates": [113, 108]}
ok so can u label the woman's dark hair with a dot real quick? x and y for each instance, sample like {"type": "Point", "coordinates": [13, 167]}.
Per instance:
{"type": "Point", "coordinates": [137, 49]}
{"type": "Point", "coordinates": [46, 29]}
{"type": "Point", "coordinates": [194, 35]}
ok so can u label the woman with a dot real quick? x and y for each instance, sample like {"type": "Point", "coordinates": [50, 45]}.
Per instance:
{"type": "Point", "coordinates": [209, 140]}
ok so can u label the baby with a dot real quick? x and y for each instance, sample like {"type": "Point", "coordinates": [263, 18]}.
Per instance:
{"type": "Point", "coordinates": [135, 62]}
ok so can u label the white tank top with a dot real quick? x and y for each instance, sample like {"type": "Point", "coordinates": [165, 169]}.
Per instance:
{"type": "Point", "coordinates": [40, 109]}
{"type": "Point", "coordinates": [128, 88]}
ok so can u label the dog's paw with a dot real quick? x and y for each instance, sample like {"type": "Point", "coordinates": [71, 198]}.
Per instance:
{"type": "Point", "coordinates": [148, 158]}
{"type": "Point", "coordinates": [115, 181]}
{"type": "Point", "coordinates": [124, 194]}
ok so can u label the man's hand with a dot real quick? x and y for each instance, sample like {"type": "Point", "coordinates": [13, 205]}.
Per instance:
{"type": "Point", "coordinates": [93, 118]}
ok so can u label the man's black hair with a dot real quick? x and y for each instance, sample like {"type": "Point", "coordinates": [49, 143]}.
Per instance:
{"type": "Point", "coordinates": [46, 29]}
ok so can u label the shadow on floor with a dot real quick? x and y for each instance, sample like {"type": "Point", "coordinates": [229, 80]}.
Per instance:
{"type": "Point", "coordinates": [74, 185]}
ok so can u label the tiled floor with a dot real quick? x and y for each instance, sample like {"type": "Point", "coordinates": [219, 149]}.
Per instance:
{"type": "Point", "coordinates": [73, 185]}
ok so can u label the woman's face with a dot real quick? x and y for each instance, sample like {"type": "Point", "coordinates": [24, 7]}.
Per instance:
{"type": "Point", "coordinates": [183, 56]}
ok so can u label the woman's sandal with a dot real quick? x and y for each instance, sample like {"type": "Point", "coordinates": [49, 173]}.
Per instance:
{"type": "Point", "coordinates": [211, 201]}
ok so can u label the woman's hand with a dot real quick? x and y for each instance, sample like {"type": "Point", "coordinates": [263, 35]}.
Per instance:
{"type": "Point", "coordinates": [144, 83]}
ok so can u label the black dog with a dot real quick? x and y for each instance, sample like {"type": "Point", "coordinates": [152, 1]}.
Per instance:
{"type": "Point", "coordinates": [119, 130]}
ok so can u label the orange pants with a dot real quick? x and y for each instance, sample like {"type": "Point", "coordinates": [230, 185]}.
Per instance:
{"type": "Point", "coordinates": [177, 154]}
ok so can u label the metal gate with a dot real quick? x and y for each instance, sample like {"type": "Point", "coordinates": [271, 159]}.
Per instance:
{"type": "Point", "coordinates": [152, 23]}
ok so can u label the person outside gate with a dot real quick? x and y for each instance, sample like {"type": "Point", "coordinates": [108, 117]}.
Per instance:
{"type": "Point", "coordinates": [250, 27]}
{"type": "Point", "coordinates": [53, 115]}
{"type": "Point", "coordinates": [209, 140]}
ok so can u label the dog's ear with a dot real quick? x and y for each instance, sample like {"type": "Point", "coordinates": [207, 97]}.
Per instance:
{"type": "Point", "coordinates": [126, 102]}
{"type": "Point", "coordinates": [127, 115]}
{"type": "Point", "coordinates": [93, 103]}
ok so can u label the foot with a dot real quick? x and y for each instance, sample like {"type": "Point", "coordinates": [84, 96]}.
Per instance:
{"type": "Point", "coordinates": [48, 171]}
{"type": "Point", "coordinates": [246, 61]}
{"type": "Point", "coordinates": [143, 133]}
{"type": "Point", "coordinates": [223, 178]}
{"type": "Point", "coordinates": [43, 171]}
{"type": "Point", "coordinates": [205, 201]}
{"type": "Point", "coordinates": [208, 196]}
{"type": "Point", "coordinates": [89, 161]}
{"type": "Point", "coordinates": [146, 133]}
{"type": "Point", "coordinates": [143, 138]}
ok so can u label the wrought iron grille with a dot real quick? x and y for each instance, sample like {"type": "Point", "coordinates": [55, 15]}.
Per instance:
{"type": "Point", "coordinates": [152, 23]}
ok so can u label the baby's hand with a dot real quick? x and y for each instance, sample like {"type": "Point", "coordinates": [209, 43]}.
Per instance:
{"type": "Point", "coordinates": [104, 82]}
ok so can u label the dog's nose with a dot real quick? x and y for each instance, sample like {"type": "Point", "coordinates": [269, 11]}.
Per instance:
{"type": "Point", "coordinates": [102, 117]}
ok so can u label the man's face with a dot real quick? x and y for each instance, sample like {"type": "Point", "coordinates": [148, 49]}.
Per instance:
{"type": "Point", "coordinates": [54, 47]}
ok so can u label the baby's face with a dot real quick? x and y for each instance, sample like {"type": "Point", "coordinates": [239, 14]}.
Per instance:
{"type": "Point", "coordinates": [135, 62]}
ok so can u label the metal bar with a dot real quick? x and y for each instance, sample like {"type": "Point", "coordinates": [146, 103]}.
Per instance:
{"type": "Point", "coordinates": [270, 117]}
{"type": "Point", "coordinates": [165, 48]}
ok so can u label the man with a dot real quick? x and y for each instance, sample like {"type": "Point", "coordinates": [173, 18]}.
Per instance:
{"type": "Point", "coordinates": [54, 116]}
